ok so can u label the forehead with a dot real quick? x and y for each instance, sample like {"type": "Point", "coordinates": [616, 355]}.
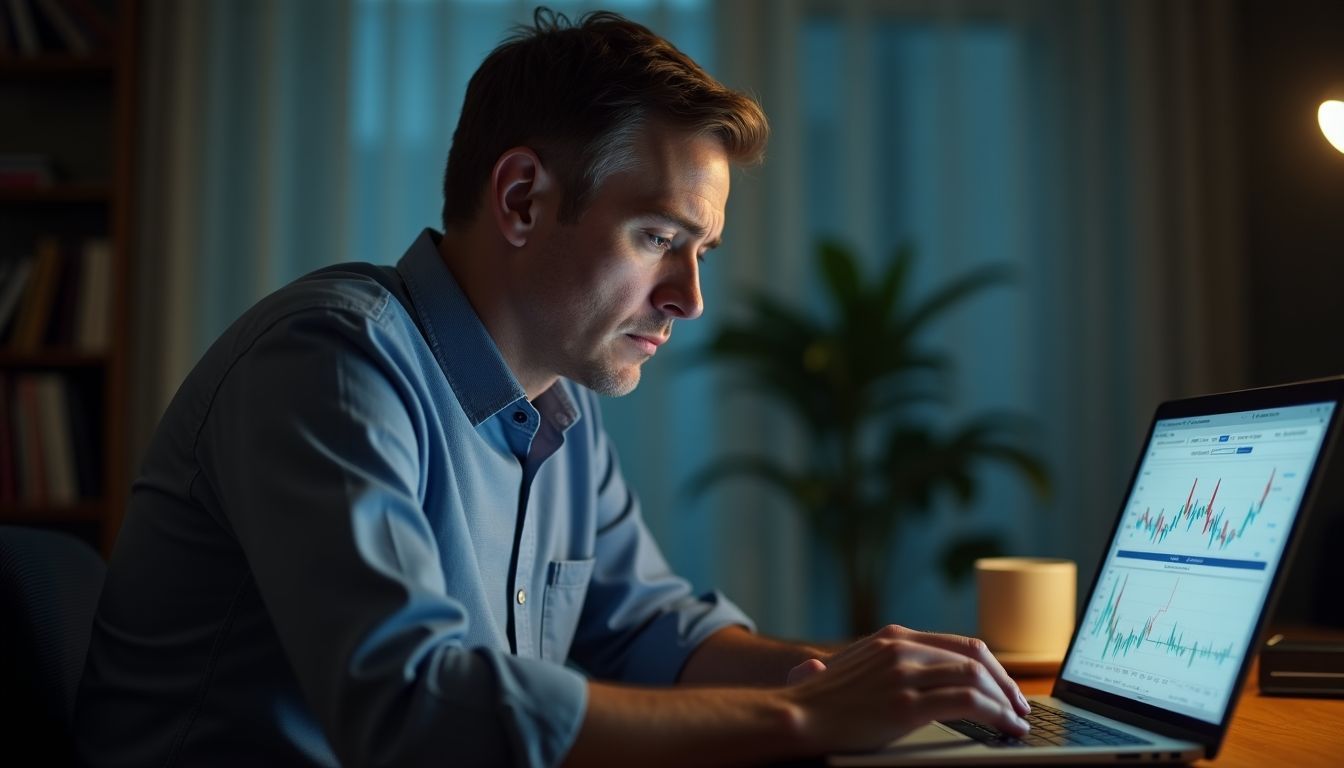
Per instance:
{"type": "Point", "coordinates": [674, 170]}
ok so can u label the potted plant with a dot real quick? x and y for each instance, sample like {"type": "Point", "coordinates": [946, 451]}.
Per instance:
{"type": "Point", "coordinates": [865, 387]}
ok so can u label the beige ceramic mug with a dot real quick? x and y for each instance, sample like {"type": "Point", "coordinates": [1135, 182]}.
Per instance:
{"type": "Point", "coordinates": [1026, 604]}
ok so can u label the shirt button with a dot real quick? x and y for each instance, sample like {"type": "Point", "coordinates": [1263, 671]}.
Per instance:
{"type": "Point", "coordinates": [521, 418]}
{"type": "Point", "coordinates": [522, 596]}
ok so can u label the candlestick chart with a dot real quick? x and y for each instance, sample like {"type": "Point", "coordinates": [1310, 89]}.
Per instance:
{"type": "Point", "coordinates": [1233, 513]}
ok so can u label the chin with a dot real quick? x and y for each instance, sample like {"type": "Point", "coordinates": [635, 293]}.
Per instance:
{"type": "Point", "coordinates": [613, 382]}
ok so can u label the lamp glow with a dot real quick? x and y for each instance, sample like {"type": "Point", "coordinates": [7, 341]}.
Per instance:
{"type": "Point", "coordinates": [1331, 117]}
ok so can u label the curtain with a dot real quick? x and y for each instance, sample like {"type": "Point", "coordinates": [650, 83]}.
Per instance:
{"type": "Point", "coordinates": [1086, 143]}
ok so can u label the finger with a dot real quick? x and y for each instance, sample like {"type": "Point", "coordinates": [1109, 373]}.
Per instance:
{"type": "Point", "coordinates": [896, 653]}
{"type": "Point", "coordinates": [806, 671]}
{"type": "Point", "coordinates": [877, 639]}
{"type": "Point", "coordinates": [965, 673]}
{"type": "Point", "coordinates": [907, 655]}
{"type": "Point", "coordinates": [902, 662]}
{"type": "Point", "coordinates": [976, 649]}
{"type": "Point", "coordinates": [971, 704]}
{"type": "Point", "coordinates": [861, 645]}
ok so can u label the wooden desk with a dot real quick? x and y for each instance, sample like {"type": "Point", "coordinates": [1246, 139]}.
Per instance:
{"type": "Point", "coordinates": [1267, 730]}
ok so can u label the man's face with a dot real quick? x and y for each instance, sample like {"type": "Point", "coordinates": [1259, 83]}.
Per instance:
{"type": "Point", "coordinates": [606, 289]}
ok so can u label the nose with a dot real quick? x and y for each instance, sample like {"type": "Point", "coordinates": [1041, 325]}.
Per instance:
{"type": "Point", "coordinates": [677, 294]}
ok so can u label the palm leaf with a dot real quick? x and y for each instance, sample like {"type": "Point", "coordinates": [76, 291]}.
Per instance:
{"type": "Point", "coordinates": [958, 557]}
{"type": "Point", "coordinates": [954, 293]}
{"type": "Point", "coordinates": [840, 271]}
{"type": "Point", "coordinates": [866, 387]}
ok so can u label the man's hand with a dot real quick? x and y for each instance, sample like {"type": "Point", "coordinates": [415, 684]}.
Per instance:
{"type": "Point", "coordinates": [862, 697]}
{"type": "Point", "coordinates": [898, 679]}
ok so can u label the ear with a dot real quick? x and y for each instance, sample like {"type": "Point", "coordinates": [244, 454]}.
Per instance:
{"type": "Point", "coordinates": [520, 193]}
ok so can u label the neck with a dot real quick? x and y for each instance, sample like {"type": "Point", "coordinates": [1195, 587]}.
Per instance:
{"type": "Point", "coordinates": [480, 263]}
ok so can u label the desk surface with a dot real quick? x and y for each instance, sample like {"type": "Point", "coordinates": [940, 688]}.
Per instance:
{"type": "Point", "coordinates": [1267, 730]}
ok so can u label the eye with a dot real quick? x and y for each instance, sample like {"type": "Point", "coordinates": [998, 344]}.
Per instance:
{"type": "Point", "coordinates": [659, 242]}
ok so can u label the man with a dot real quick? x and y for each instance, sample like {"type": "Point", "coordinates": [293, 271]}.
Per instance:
{"type": "Point", "coordinates": [381, 523]}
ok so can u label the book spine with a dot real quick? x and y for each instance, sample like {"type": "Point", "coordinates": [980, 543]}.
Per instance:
{"type": "Point", "coordinates": [25, 28]}
{"type": "Point", "coordinates": [8, 487]}
{"type": "Point", "coordinates": [95, 294]}
{"type": "Point", "coordinates": [31, 325]}
{"type": "Point", "coordinates": [11, 291]}
{"type": "Point", "coordinates": [6, 49]}
{"type": "Point", "coordinates": [32, 459]}
{"type": "Point", "coordinates": [71, 35]}
{"type": "Point", "coordinates": [61, 328]}
{"type": "Point", "coordinates": [98, 23]}
{"type": "Point", "coordinates": [60, 455]}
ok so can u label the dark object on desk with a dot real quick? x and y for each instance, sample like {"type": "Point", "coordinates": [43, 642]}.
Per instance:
{"type": "Point", "coordinates": [1302, 667]}
{"type": "Point", "coordinates": [49, 588]}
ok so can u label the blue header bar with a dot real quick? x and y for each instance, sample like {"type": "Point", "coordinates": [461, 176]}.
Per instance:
{"type": "Point", "coordinates": [1217, 562]}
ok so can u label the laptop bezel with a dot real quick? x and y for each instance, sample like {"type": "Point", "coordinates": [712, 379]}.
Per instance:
{"type": "Point", "coordinates": [1156, 718]}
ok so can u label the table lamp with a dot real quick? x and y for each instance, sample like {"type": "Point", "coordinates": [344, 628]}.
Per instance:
{"type": "Point", "coordinates": [1331, 117]}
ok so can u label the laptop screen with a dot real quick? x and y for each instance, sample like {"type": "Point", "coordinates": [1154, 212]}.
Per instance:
{"type": "Point", "coordinates": [1202, 532]}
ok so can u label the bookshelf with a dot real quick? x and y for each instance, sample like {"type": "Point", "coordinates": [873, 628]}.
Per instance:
{"type": "Point", "coordinates": [68, 83]}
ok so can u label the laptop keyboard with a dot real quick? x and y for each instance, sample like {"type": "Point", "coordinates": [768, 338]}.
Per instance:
{"type": "Point", "coordinates": [1049, 727]}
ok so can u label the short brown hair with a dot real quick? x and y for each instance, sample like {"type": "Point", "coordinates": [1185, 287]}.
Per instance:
{"type": "Point", "coordinates": [577, 93]}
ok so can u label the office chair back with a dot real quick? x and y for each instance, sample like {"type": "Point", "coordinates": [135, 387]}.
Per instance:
{"type": "Point", "coordinates": [49, 588]}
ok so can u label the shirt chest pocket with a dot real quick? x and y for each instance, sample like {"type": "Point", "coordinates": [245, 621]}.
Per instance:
{"type": "Point", "coordinates": [566, 586]}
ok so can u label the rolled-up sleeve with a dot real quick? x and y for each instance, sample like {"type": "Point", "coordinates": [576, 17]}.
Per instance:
{"type": "Point", "coordinates": [317, 468]}
{"type": "Point", "coordinates": [641, 621]}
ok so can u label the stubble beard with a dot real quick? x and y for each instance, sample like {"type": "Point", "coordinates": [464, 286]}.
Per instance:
{"type": "Point", "coordinates": [614, 383]}
{"type": "Point", "coordinates": [606, 374]}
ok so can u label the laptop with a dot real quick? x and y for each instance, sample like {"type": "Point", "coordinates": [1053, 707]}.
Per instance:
{"type": "Point", "coordinates": [1179, 600]}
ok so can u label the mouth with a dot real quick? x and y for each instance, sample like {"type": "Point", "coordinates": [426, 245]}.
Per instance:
{"type": "Point", "coordinates": [647, 344]}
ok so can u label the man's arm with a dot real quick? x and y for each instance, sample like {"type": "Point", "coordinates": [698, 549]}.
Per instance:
{"type": "Point", "coordinates": [313, 448]}
{"type": "Point", "coordinates": [736, 656]}
{"type": "Point", "coordinates": [872, 692]}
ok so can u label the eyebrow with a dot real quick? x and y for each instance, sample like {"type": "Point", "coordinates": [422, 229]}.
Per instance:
{"type": "Point", "coordinates": [677, 220]}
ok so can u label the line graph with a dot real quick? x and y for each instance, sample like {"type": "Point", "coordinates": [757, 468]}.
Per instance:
{"type": "Point", "coordinates": [1183, 631]}
{"type": "Point", "coordinates": [1121, 642]}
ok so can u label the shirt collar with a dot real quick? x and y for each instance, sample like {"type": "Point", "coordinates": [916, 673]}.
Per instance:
{"type": "Point", "coordinates": [469, 358]}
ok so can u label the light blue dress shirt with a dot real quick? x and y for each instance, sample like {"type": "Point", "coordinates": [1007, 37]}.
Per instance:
{"type": "Point", "coordinates": [355, 540]}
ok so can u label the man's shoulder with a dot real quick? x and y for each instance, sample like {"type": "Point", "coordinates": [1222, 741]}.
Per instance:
{"type": "Point", "coordinates": [341, 307]}
{"type": "Point", "coordinates": [358, 291]}
{"type": "Point", "coordinates": [355, 286]}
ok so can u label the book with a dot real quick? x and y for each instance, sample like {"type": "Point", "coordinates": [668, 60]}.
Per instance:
{"type": "Point", "coordinates": [60, 333]}
{"type": "Point", "coordinates": [11, 290]}
{"type": "Point", "coordinates": [30, 327]}
{"type": "Point", "coordinates": [26, 171]}
{"type": "Point", "coordinates": [97, 21]}
{"type": "Point", "coordinates": [58, 449]}
{"type": "Point", "coordinates": [71, 36]}
{"type": "Point", "coordinates": [28, 442]}
{"type": "Point", "coordinates": [93, 321]}
{"type": "Point", "coordinates": [8, 486]}
{"type": "Point", "coordinates": [25, 28]}
{"type": "Point", "coordinates": [6, 48]}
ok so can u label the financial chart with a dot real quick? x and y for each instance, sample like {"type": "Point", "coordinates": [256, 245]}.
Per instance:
{"type": "Point", "coordinates": [1201, 534]}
